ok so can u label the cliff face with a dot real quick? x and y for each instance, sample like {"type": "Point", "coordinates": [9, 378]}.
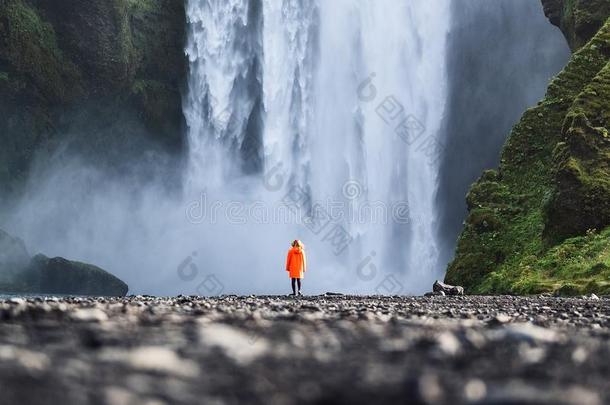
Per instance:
{"type": "Point", "coordinates": [579, 20]}
{"type": "Point", "coordinates": [541, 221]}
{"type": "Point", "coordinates": [491, 43]}
{"type": "Point", "coordinates": [102, 76]}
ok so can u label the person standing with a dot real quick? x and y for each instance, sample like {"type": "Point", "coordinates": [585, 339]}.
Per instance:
{"type": "Point", "coordinates": [296, 265]}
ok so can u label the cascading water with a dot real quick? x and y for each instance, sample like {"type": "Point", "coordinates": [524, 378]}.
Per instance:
{"type": "Point", "coordinates": [331, 107]}
{"type": "Point", "coordinates": [337, 101]}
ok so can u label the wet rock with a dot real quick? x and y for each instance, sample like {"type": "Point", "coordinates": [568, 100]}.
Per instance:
{"type": "Point", "coordinates": [447, 289]}
{"type": "Point", "coordinates": [435, 294]}
{"type": "Point", "coordinates": [21, 274]}
{"type": "Point", "coordinates": [60, 276]}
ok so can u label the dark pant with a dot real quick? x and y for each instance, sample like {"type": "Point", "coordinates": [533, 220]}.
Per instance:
{"type": "Point", "coordinates": [296, 281]}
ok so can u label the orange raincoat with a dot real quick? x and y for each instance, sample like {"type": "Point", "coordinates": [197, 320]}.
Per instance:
{"type": "Point", "coordinates": [296, 263]}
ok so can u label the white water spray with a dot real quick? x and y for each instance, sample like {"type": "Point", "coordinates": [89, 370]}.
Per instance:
{"type": "Point", "coordinates": [340, 100]}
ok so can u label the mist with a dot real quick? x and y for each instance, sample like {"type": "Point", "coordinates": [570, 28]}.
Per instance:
{"type": "Point", "coordinates": [223, 227]}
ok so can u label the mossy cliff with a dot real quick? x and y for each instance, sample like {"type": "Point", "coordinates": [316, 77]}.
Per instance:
{"type": "Point", "coordinates": [541, 221]}
{"type": "Point", "coordinates": [104, 76]}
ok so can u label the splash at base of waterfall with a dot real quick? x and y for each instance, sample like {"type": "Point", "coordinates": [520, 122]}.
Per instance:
{"type": "Point", "coordinates": [317, 120]}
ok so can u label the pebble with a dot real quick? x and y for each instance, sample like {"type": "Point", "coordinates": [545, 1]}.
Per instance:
{"type": "Point", "coordinates": [89, 315]}
{"type": "Point", "coordinates": [312, 349]}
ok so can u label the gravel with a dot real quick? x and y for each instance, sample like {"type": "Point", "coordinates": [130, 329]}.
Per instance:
{"type": "Point", "coordinates": [320, 349]}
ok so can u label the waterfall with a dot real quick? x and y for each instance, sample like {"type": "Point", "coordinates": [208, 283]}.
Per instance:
{"type": "Point", "coordinates": [336, 103]}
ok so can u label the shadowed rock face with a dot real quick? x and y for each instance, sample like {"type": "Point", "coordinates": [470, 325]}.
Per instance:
{"type": "Point", "coordinates": [579, 20]}
{"type": "Point", "coordinates": [541, 221]}
{"type": "Point", "coordinates": [21, 274]}
{"type": "Point", "coordinates": [60, 276]}
{"type": "Point", "coordinates": [500, 57]}
{"type": "Point", "coordinates": [103, 77]}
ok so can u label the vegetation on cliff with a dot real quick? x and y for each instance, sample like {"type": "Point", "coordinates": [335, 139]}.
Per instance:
{"type": "Point", "coordinates": [104, 75]}
{"type": "Point", "coordinates": [540, 223]}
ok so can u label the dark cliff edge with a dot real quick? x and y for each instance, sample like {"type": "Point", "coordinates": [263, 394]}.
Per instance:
{"type": "Point", "coordinates": [501, 55]}
{"type": "Point", "coordinates": [541, 221]}
{"type": "Point", "coordinates": [20, 273]}
{"type": "Point", "coordinates": [101, 78]}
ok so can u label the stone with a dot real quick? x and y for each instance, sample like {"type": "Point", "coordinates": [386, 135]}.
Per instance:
{"type": "Point", "coordinates": [530, 332]}
{"type": "Point", "coordinates": [89, 315]}
{"type": "Point", "coordinates": [447, 289]}
{"type": "Point", "coordinates": [448, 343]}
{"type": "Point", "coordinates": [238, 345]}
{"type": "Point", "coordinates": [242, 349]}
{"type": "Point", "coordinates": [60, 276]}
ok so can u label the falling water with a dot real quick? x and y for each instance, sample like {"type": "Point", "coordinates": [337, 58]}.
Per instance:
{"type": "Point", "coordinates": [339, 101]}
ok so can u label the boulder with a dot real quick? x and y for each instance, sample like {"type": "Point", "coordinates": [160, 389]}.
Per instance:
{"type": "Point", "coordinates": [439, 286]}
{"type": "Point", "coordinates": [21, 274]}
{"type": "Point", "coordinates": [60, 276]}
{"type": "Point", "coordinates": [435, 294]}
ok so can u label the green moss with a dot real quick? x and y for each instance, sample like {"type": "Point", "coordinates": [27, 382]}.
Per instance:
{"type": "Point", "coordinates": [579, 20]}
{"type": "Point", "coordinates": [582, 164]}
{"type": "Point", "coordinates": [31, 49]}
{"type": "Point", "coordinates": [577, 266]}
{"type": "Point", "coordinates": [512, 241]}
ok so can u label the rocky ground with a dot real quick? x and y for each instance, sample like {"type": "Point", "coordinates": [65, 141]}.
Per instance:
{"type": "Point", "coordinates": [322, 349]}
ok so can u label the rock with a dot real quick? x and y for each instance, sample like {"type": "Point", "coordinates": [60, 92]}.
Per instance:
{"type": "Point", "coordinates": [30, 360]}
{"type": "Point", "coordinates": [448, 343]}
{"type": "Point", "coordinates": [113, 69]}
{"type": "Point", "coordinates": [577, 31]}
{"type": "Point", "coordinates": [530, 332]}
{"type": "Point", "coordinates": [238, 345]}
{"type": "Point", "coordinates": [475, 390]}
{"type": "Point", "coordinates": [258, 349]}
{"type": "Point", "coordinates": [500, 319]}
{"type": "Point", "coordinates": [435, 294]}
{"type": "Point", "coordinates": [574, 147]}
{"type": "Point", "coordinates": [518, 392]}
{"type": "Point", "coordinates": [157, 359]}
{"type": "Point", "coordinates": [447, 289]}
{"type": "Point", "coordinates": [89, 315]}
{"type": "Point", "coordinates": [60, 276]}
{"type": "Point", "coordinates": [21, 274]}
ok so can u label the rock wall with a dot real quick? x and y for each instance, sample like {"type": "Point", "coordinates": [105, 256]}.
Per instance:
{"type": "Point", "coordinates": [541, 221]}
{"type": "Point", "coordinates": [501, 55]}
{"type": "Point", "coordinates": [579, 20]}
{"type": "Point", "coordinates": [103, 77]}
